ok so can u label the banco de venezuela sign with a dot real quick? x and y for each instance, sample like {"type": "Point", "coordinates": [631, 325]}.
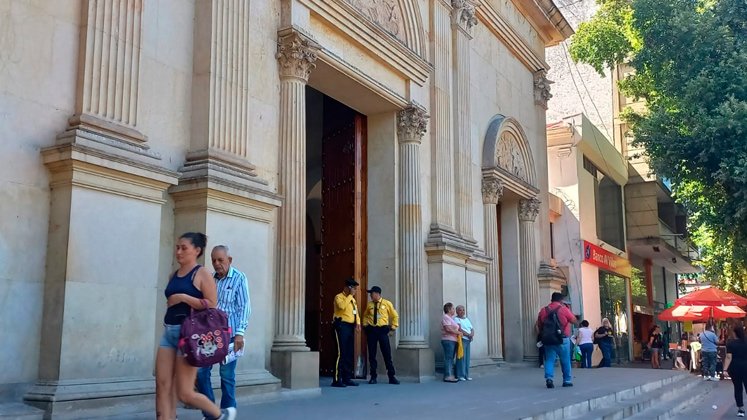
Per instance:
{"type": "Point", "coordinates": [606, 260]}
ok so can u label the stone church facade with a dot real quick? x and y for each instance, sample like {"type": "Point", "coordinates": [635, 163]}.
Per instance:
{"type": "Point", "coordinates": [401, 142]}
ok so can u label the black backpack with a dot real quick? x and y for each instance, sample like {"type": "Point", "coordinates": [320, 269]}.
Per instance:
{"type": "Point", "coordinates": [551, 334]}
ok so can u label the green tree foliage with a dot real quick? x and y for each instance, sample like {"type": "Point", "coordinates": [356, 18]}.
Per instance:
{"type": "Point", "coordinates": [690, 62]}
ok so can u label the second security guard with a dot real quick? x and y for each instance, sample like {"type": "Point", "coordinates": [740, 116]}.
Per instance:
{"type": "Point", "coordinates": [346, 322]}
{"type": "Point", "coordinates": [379, 320]}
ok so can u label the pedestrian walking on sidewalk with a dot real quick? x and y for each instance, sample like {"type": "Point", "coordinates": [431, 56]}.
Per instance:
{"type": "Point", "coordinates": [554, 324]}
{"type": "Point", "coordinates": [709, 353]}
{"type": "Point", "coordinates": [379, 322]}
{"type": "Point", "coordinates": [449, 336]}
{"type": "Point", "coordinates": [187, 289]}
{"type": "Point", "coordinates": [655, 344]}
{"type": "Point", "coordinates": [468, 334]}
{"type": "Point", "coordinates": [345, 321]}
{"type": "Point", "coordinates": [605, 338]}
{"type": "Point", "coordinates": [736, 365]}
{"type": "Point", "coordinates": [233, 299]}
{"type": "Point", "coordinates": [585, 342]}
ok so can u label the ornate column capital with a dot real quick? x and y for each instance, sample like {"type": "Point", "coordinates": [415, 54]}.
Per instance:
{"type": "Point", "coordinates": [297, 54]}
{"type": "Point", "coordinates": [492, 190]}
{"type": "Point", "coordinates": [463, 14]}
{"type": "Point", "coordinates": [412, 123]}
{"type": "Point", "coordinates": [542, 88]}
{"type": "Point", "coordinates": [529, 209]}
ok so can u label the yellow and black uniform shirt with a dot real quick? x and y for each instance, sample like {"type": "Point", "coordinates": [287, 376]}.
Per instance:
{"type": "Point", "coordinates": [381, 314]}
{"type": "Point", "coordinates": [346, 308]}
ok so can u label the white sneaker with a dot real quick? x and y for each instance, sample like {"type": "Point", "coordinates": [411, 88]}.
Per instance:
{"type": "Point", "coordinates": [462, 379]}
{"type": "Point", "coordinates": [715, 378]}
{"type": "Point", "coordinates": [469, 379]}
{"type": "Point", "coordinates": [228, 414]}
{"type": "Point", "coordinates": [740, 413]}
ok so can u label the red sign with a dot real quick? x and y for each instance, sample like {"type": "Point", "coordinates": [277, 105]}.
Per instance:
{"type": "Point", "coordinates": [606, 260]}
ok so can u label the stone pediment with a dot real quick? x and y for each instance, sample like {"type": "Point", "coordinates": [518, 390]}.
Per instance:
{"type": "Point", "coordinates": [386, 13]}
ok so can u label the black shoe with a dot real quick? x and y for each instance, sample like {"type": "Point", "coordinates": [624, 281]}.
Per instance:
{"type": "Point", "coordinates": [372, 381]}
{"type": "Point", "coordinates": [338, 385]}
{"type": "Point", "coordinates": [549, 384]}
{"type": "Point", "coordinates": [393, 380]}
{"type": "Point", "coordinates": [567, 384]}
{"type": "Point", "coordinates": [349, 383]}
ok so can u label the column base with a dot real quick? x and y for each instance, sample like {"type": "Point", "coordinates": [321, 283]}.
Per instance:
{"type": "Point", "coordinates": [296, 369]}
{"type": "Point", "coordinates": [248, 384]}
{"type": "Point", "coordinates": [416, 363]}
{"type": "Point", "coordinates": [92, 398]}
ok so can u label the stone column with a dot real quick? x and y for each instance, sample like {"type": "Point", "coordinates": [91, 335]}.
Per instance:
{"type": "Point", "coordinates": [442, 225]}
{"type": "Point", "coordinates": [528, 210]}
{"type": "Point", "coordinates": [492, 191]}
{"type": "Point", "coordinates": [296, 56]}
{"type": "Point", "coordinates": [463, 19]}
{"type": "Point", "coordinates": [411, 125]}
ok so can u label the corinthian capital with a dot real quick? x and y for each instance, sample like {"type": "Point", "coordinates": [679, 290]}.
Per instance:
{"type": "Point", "coordinates": [296, 54]}
{"type": "Point", "coordinates": [542, 88]}
{"type": "Point", "coordinates": [412, 123]}
{"type": "Point", "coordinates": [463, 14]}
{"type": "Point", "coordinates": [492, 190]}
{"type": "Point", "coordinates": [529, 209]}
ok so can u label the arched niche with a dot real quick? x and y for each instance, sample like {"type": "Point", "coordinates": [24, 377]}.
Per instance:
{"type": "Point", "coordinates": [507, 156]}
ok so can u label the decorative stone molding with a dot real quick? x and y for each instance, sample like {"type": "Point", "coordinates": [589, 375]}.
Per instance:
{"type": "Point", "coordinates": [509, 157]}
{"type": "Point", "coordinates": [463, 14]}
{"type": "Point", "coordinates": [386, 13]}
{"type": "Point", "coordinates": [542, 88]}
{"type": "Point", "coordinates": [412, 123]}
{"type": "Point", "coordinates": [297, 54]}
{"type": "Point", "coordinates": [492, 190]}
{"type": "Point", "coordinates": [529, 209]}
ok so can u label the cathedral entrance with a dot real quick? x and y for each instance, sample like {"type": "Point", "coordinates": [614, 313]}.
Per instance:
{"type": "Point", "coordinates": [336, 220]}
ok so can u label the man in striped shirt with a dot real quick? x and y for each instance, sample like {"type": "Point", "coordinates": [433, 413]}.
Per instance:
{"type": "Point", "coordinates": [233, 299]}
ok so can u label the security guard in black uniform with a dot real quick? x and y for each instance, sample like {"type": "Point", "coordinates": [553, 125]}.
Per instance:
{"type": "Point", "coordinates": [346, 322]}
{"type": "Point", "coordinates": [379, 321]}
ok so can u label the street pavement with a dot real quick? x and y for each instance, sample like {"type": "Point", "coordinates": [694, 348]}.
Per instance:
{"type": "Point", "coordinates": [722, 397]}
{"type": "Point", "coordinates": [506, 393]}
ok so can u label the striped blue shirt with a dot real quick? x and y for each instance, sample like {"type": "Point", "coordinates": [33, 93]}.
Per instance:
{"type": "Point", "coordinates": [233, 299]}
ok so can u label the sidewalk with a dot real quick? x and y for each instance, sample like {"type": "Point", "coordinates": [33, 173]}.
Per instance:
{"type": "Point", "coordinates": [508, 393]}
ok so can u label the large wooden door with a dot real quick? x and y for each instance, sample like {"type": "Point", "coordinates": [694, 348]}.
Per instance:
{"type": "Point", "coordinates": [343, 247]}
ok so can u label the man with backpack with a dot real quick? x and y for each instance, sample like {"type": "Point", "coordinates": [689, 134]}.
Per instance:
{"type": "Point", "coordinates": [554, 327]}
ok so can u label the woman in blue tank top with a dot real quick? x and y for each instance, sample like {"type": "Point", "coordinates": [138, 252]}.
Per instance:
{"type": "Point", "coordinates": [186, 289]}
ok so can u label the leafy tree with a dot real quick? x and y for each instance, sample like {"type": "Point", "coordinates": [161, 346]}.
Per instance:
{"type": "Point", "coordinates": [690, 62]}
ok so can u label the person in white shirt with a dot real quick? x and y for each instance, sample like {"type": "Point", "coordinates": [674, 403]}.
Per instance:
{"type": "Point", "coordinates": [585, 342]}
{"type": "Point", "coordinates": [468, 334]}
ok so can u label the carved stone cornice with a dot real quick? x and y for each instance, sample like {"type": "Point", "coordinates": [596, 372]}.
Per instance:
{"type": "Point", "coordinates": [529, 209]}
{"type": "Point", "coordinates": [412, 123]}
{"type": "Point", "coordinates": [492, 190]}
{"type": "Point", "coordinates": [297, 54]}
{"type": "Point", "coordinates": [542, 88]}
{"type": "Point", "coordinates": [463, 14]}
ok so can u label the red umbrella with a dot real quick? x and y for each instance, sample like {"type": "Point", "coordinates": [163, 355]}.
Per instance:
{"type": "Point", "coordinates": [678, 313]}
{"type": "Point", "coordinates": [712, 296]}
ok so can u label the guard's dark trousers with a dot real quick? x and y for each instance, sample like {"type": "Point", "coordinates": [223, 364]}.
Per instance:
{"type": "Point", "coordinates": [345, 334]}
{"type": "Point", "coordinates": [379, 336]}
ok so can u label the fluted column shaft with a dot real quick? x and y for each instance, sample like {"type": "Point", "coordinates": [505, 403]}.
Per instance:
{"type": "Point", "coordinates": [441, 129]}
{"type": "Point", "coordinates": [463, 19]}
{"type": "Point", "coordinates": [296, 56]}
{"type": "Point", "coordinates": [528, 210]}
{"type": "Point", "coordinates": [492, 191]}
{"type": "Point", "coordinates": [411, 125]}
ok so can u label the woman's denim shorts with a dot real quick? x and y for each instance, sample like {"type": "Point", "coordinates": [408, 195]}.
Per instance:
{"type": "Point", "coordinates": [170, 337]}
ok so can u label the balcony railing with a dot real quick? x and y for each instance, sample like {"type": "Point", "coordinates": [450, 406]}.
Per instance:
{"type": "Point", "coordinates": [678, 241]}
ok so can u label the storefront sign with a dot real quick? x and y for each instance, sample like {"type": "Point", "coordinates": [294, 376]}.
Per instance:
{"type": "Point", "coordinates": [606, 260]}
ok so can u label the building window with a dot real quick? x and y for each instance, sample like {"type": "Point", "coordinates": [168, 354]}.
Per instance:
{"type": "Point", "coordinates": [608, 202]}
{"type": "Point", "coordinates": [552, 240]}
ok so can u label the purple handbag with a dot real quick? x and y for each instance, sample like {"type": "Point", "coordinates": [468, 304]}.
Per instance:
{"type": "Point", "coordinates": [205, 336]}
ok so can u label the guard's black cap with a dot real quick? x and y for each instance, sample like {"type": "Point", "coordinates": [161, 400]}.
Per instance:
{"type": "Point", "coordinates": [375, 289]}
{"type": "Point", "coordinates": [351, 282]}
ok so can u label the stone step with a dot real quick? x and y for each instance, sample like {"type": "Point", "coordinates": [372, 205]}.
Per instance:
{"type": "Point", "coordinates": [20, 411]}
{"type": "Point", "coordinates": [682, 401]}
{"type": "Point", "coordinates": [592, 408]}
{"type": "Point", "coordinates": [645, 404]}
